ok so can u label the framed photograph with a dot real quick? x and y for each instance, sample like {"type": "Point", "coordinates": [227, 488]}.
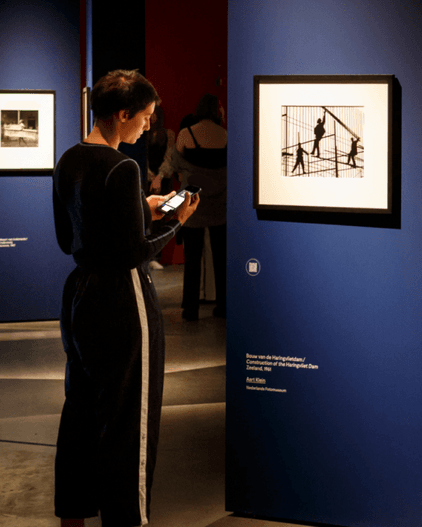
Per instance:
{"type": "Point", "coordinates": [324, 144]}
{"type": "Point", "coordinates": [27, 121]}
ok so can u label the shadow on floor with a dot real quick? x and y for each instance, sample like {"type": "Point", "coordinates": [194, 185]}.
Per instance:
{"type": "Point", "coordinates": [188, 486]}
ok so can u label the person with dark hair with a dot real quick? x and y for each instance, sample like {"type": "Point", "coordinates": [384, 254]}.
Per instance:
{"type": "Point", "coordinates": [122, 89]}
{"type": "Point", "coordinates": [200, 156]}
{"type": "Point", "coordinates": [111, 322]}
{"type": "Point", "coordinates": [188, 120]}
{"type": "Point", "coordinates": [208, 108]}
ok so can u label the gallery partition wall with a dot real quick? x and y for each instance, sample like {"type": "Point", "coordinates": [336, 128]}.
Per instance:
{"type": "Point", "coordinates": [39, 53]}
{"type": "Point", "coordinates": [324, 400]}
{"type": "Point", "coordinates": [54, 47]}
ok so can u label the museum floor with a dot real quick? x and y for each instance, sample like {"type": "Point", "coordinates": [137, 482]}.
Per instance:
{"type": "Point", "coordinates": [189, 480]}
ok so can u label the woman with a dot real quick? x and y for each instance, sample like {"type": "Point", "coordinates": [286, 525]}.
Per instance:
{"type": "Point", "coordinates": [200, 157]}
{"type": "Point", "coordinates": [111, 322]}
{"type": "Point", "coordinates": [160, 143]}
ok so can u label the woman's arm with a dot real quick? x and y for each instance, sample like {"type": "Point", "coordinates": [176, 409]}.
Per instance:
{"type": "Point", "coordinates": [130, 217]}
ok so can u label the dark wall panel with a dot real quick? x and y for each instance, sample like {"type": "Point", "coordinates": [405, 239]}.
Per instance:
{"type": "Point", "coordinates": [118, 37]}
{"type": "Point", "coordinates": [39, 50]}
{"type": "Point", "coordinates": [338, 444]}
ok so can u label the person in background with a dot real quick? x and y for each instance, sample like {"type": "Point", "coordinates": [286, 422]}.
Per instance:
{"type": "Point", "coordinates": [111, 322]}
{"type": "Point", "coordinates": [200, 156]}
{"type": "Point", "coordinates": [160, 142]}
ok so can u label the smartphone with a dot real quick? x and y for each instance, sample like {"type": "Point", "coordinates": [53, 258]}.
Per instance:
{"type": "Point", "coordinates": [170, 206]}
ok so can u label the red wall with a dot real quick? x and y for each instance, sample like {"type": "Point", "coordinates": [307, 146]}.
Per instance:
{"type": "Point", "coordinates": [186, 53]}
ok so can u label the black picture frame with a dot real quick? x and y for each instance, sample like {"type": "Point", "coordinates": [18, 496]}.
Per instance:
{"type": "Point", "coordinates": [327, 149]}
{"type": "Point", "coordinates": [28, 135]}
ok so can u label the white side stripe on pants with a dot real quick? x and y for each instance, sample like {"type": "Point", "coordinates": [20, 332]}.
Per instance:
{"type": "Point", "coordinates": [144, 396]}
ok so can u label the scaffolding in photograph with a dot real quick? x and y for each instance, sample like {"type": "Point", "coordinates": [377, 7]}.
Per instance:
{"type": "Point", "coordinates": [322, 141]}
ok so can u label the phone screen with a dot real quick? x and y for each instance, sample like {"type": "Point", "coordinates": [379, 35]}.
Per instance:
{"type": "Point", "coordinates": [173, 202]}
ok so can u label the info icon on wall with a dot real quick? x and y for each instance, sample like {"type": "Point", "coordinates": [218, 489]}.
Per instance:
{"type": "Point", "coordinates": [253, 267]}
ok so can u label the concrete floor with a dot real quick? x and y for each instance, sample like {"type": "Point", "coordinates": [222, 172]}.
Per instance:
{"type": "Point", "coordinates": [189, 479]}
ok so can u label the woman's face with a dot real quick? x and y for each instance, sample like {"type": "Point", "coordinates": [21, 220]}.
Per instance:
{"type": "Point", "coordinates": [132, 129]}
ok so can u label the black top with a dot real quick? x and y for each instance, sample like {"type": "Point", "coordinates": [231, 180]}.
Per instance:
{"type": "Point", "coordinates": [101, 214]}
{"type": "Point", "coordinates": [205, 157]}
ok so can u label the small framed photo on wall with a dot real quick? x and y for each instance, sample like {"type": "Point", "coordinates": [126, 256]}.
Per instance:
{"type": "Point", "coordinates": [324, 144]}
{"type": "Point", "coordinates": [27, 122]}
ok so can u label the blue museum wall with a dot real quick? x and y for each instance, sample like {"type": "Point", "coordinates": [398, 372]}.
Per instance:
{"type": "Point", "coordinates": [335, 310]}
{"type": "Point", "coordinates": [39, 49]}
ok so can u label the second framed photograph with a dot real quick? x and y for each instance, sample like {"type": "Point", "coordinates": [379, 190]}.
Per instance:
{"type": "Point", "coordinates": [324, 143]}
{"type": "Point", "coordinates": [27, 119]}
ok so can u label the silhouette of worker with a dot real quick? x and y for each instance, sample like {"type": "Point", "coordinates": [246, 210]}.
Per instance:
{"type": "Point", "coordinates": [319, 131]}
{"type": "Point", "coordinates": [299, 158]}
{"type": "Point", "coordinates": [353, 152]}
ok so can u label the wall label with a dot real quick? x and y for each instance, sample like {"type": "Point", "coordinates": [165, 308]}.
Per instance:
{"type": "Point", "coordinates": [10, 242]}
{"type": "Point", "coordinates": [262, 365]}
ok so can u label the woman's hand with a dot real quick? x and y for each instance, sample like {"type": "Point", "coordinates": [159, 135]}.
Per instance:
{"type": "Point", "coordinates": [188, 207]}
{"type": "Point", "coordinates": [155, 201]}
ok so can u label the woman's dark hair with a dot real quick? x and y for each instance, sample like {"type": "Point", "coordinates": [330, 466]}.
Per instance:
{"type": "Point", "coordinates": [122, 90]}
{"type": "Point", "coordinates": [188, 120]}
{"type": "Point", "coordinates": [208, 108]}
